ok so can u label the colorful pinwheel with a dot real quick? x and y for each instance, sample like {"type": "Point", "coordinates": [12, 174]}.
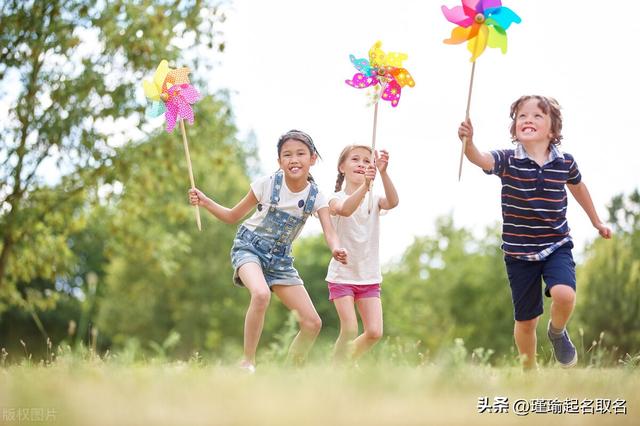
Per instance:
{"type": "Point", "coordinates": [382, 68]}
{"type": "Point", "coordinates": [481, 23]}
{"type": "Point", "coordinates": [171, 93]}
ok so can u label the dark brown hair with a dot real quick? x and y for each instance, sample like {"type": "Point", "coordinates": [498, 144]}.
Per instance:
{"type": "Point", "coordinates": [549, 106]}
{"type": "Point", "coordinates": [341, 159]}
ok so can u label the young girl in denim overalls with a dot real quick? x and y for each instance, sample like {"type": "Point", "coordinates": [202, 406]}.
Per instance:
{"type": "Point", "coordinates": [261, 252]}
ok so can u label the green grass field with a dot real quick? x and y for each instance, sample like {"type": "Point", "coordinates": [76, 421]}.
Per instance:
{"type": "Point", "coordinates": [92, 391]}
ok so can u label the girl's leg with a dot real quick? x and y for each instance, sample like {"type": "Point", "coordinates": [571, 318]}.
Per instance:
{"type": "Point", "coordinates": [524, 333]}
{"type": "Point", "coordinates": [253, 279]}
{"type": "Point", "coordinates": [563, 299]}
{"type": "Point", "coordinates": [348, 327]}
{"type": "Point", "coordinates": [370, 309]}
{"type": "Point", "coordinates": [296, 298]}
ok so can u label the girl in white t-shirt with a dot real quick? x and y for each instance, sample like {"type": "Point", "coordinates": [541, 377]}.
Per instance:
{"type": "Point", "coordinates": [358, 282]}
{"type": "Point", "coordinates": [261, 252]}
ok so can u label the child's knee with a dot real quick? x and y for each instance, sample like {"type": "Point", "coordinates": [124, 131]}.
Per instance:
{"type": "Point", "coordinates": [261, 298]}
{"type": "Point", "coordinates": [563, 294]}
{"type": "Point", "coordinates": [311, 324]}
{"type": "Point", "coordinates": [373, 334]}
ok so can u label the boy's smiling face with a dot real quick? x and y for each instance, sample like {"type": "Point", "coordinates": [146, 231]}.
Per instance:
{"type": "Point", "coordinates": [532, 124]}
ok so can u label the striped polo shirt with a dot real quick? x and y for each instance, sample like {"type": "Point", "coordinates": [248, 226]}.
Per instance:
{"type": "Point", "coordinates": [534, 201]}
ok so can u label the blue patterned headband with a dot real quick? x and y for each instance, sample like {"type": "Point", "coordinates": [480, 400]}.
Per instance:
{"type": "Point", "coordinates": [299, 136]}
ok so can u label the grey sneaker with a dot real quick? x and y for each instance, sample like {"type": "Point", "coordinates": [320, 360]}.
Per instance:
{"type": "Point", "coordinates": [563, 349]}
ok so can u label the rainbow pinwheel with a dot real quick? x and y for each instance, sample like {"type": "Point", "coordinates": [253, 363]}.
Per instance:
{"type": "Point", "coordinates": [171, 93]}
{"type": "Point", "coordinates": [482, 23]}
{"type": "Point", "coordinates": [382, 68]}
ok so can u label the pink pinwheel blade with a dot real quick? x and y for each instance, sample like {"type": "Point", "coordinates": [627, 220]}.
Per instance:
{"type": "Point", "coordinates": [171, 115]}
{"type": "Point", "coordinates": [189, 93]}
{"type": "Point", "coordinates": [360, 81]}
{"type": "Point", "coordinates": [457, 16]}
{"type": "Point", "coordinates": [185, 111]}
{"type": "Point", "coordinates": [472, 6]}
{"type": "Point", "coordinates": [392, 93]}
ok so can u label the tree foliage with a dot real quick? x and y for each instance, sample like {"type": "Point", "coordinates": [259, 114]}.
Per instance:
{"type": "Point", "coordinates": [68, 72]}
{"type": "Point", "coordinates": [609, 280]}
{"type": "Point", "coordinates": [450, 285]}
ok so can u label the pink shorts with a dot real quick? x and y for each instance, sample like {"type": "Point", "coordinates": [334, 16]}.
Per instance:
{"type": "Point", "coordinates": [355, 291]}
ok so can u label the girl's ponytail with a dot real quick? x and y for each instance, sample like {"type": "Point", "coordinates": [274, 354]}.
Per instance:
{"type": "Point", "coordinates": [339, 181]}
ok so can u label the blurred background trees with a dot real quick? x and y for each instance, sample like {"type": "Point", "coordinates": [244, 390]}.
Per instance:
{"type": "Point", "coordinates": [98, 245]}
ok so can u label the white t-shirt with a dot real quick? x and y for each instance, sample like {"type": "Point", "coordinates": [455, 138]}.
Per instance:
{"type": "Point", "coordinates": [290, 202]}
{"type": "Point", "coordinates": [359, 234]}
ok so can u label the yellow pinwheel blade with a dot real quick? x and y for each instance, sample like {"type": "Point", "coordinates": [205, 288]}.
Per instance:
{"type": "Point", "coordinates": [151, 91]}
{"type": "Point", "coordinates": [161, 74]}
{"type": "Point", "coordinates": [477, 45]}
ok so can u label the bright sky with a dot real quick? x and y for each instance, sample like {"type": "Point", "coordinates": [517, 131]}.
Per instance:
{"type": "Point", "coordinates": [286, 62]}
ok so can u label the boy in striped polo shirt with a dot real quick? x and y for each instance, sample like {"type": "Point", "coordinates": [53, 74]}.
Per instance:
{"type": "Point", "coordinates": [535, 233]}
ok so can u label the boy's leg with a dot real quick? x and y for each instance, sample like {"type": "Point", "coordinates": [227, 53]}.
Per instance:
{"type": "Point", "coordinates": [348, 326]}
{"type": "Point", "coordinates": [563, 299]}
{"type": "Point", "coordinates": [296, 298]}
{"type": "Point", "coordinates": [370, 309]}
{"type": "Point", "coordinates": [525, 280]}
{"type": "Point", "coordinates": [253, 279]}
{"type": "Point", "coordinates": [524, 333]}
{"type": "Point", "coordinates": [560, 277]}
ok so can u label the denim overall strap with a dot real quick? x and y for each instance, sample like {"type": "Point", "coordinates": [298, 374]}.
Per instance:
{"type": "Point", "coordinates": [293, 225]}
{"type": "Point", "coordinates": [311, 200]}
{"type": "Point", "coordinates": [275, 188]}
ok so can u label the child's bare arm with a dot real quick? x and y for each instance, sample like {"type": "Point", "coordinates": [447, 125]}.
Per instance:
{"type": "Point", "coordinates": [481, 159]}
{"type": "Point", "coordinates": [227, 215]}
{"type": "Point", "coordinates": [330, 236]}
{"type": "Point", "coordinates": [390, 199]}
{"type": "Point", "coordinates": [350, 204]}
{"type": "Point", "coordinates": [582, 196]}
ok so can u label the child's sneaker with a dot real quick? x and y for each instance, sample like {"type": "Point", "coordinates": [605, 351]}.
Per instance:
{"type": "Point", "coordinates": [563, 349]}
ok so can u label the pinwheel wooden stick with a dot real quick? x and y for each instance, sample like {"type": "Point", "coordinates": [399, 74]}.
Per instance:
{"type": "Point", "coordinates": [384, 69]}
{"type": "Point", "coordinates": [193, 184]}
{"type": "Point", "coordinates": [466, 117]}
{"type": "Point", "coordinates": [481, 23]}
{"type": "Point", "coordinates": [171, 94]}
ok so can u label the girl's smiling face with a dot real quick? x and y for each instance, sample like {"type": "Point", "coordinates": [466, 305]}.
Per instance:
{"type": "Point", "coordinates": [296, 159]}
{"type": "Point", "coordinates": [355, 164]}
{"type": "Point", "coordinates": [532, 124]}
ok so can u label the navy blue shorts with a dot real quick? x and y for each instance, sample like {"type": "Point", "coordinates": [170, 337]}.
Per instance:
{"type": "Point", "coordinates": [525, 279]}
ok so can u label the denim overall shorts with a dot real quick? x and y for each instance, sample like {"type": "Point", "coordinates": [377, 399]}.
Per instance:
{"type": "Point", "coordinates": [269, 245]}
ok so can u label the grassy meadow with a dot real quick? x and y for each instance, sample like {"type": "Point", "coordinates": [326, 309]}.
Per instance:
{"type": "Point", "coordinates": [81, 388]}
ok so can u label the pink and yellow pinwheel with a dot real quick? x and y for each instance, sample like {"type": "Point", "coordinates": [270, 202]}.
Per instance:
{"type": "Point", "coordinates": [382, 68]}
{"type": "Point", "coordinates": [171, 93]}
{"type": "Point", "coordinates": [482, 23]}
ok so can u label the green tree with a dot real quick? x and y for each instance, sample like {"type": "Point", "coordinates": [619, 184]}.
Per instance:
{"type": "Point", "coordinates": [448, 286]}
{"type": "Point", "coordinates": [609, 280]}
{"type": "Point", "coordinates": [68, 69]}
{"type": "Point", "coordinates": [162, 274]}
